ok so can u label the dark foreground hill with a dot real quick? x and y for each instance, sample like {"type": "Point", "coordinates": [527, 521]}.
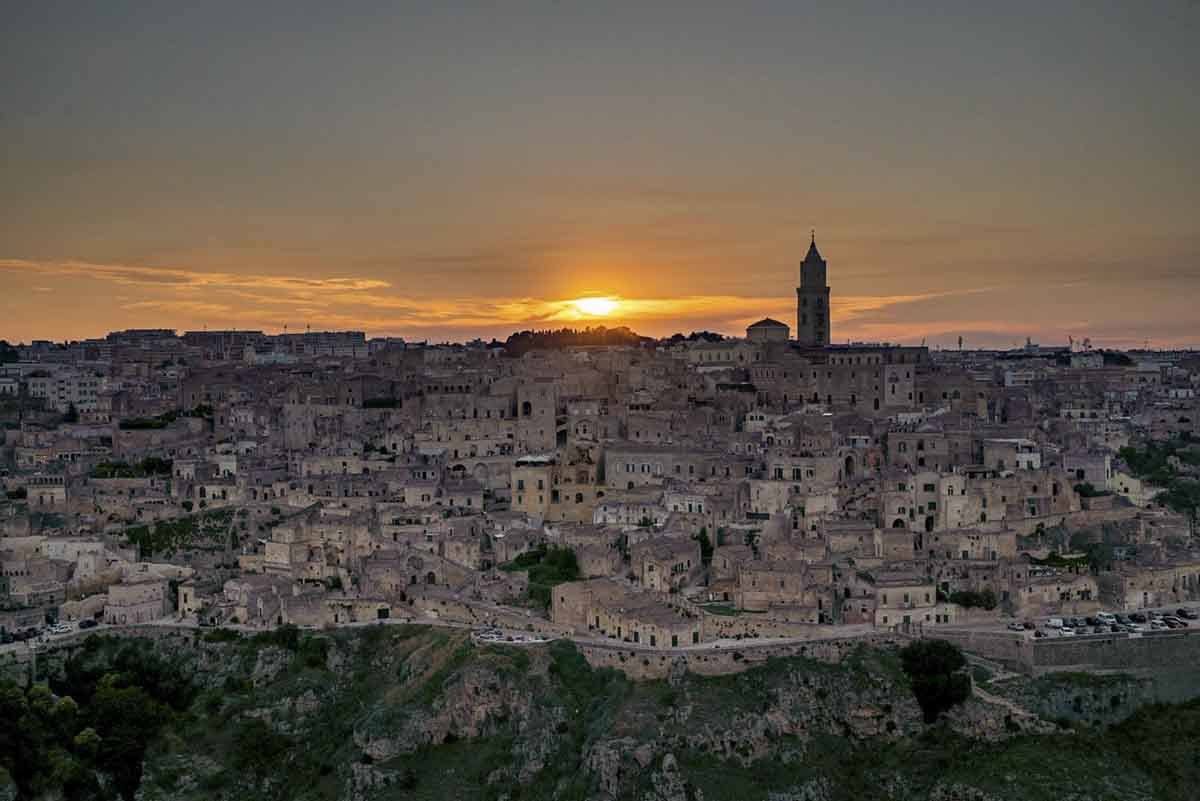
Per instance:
{"type": "Point", "coordinates": [401, 712]}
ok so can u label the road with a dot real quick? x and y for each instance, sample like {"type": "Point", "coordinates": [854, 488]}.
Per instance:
{"type": "Point", "coordinates": [845, 632]}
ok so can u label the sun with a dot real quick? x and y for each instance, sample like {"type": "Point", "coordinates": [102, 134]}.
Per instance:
{"type": "Point", "coordinates": [596, 307]}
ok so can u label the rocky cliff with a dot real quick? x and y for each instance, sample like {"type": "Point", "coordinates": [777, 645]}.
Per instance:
{"type": "Point", "coordinates": [408, 712]}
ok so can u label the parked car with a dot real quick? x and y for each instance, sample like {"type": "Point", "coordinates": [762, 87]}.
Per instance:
{"type": "Point", "coordinates": [1039, 634]}
{"type": "Point", "coordinates": [1174, 623]}
{"type": "Point", "coordinates": [1015, 627]}
{"type": "Point", "coordinates": [1092, 621]}
{"type": "Point", "coordinates": [1124, 620]}
{"type": "Point", "coordinates": [1106, 617]}
{"type": "Point", "coordinates": [1029, 625]}
{"type": "Point", "coordinates": [1158, 625]}
{"type": "Point", "coordinates": [1116, 628]}
{"type": "Point", "coordinates": [1099, 629]}
{"type": "Point", "coordinates": [1138, 617]}
{"type": "Point", "coordinates": [1067, 631]}
{"type": "Point", "coordinates": [1187, 614]}
{"type": "Point", "coordinates": [1054, 623]}
{"type": "Point", "coordinates": [88, 623]}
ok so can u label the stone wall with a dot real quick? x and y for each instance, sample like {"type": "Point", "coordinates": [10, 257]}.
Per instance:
{"type": "Point", "coordinates": [1009, 648]}
{"type": "Point", "coordinates": [1116, 652]}
{"type": "Point", "coordinates": [453, 610]}
{"type": "Point", "coordinates": [643, 664]}
{"type": "Point", "coordinates": [720, 627]}
{"type": "Point", "coordinates": [1157, 651]}
{"type": "Point", "coordinates": [1071, 520]}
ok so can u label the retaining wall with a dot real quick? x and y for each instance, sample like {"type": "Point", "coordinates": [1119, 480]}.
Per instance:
{"type": "Point", "coordinates": [658, 664]}
{"type": "Point", "coordinates": [1116, 652]}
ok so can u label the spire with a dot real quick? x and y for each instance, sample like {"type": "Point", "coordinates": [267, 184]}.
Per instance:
{"type": "Point", "coordinates": [813, 254]}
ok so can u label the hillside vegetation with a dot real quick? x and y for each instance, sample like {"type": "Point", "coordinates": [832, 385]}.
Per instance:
{"type": "Point", "coordinates": [412, 712]}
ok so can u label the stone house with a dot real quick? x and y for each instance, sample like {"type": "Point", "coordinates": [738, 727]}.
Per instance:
{"type": "Point", "coordinates": [136, 602]}
{"type": "Point", "coordinates": [666, 563]}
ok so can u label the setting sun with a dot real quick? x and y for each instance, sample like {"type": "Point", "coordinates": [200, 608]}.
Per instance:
{"type": "Point", "coordinates": [595, 307]}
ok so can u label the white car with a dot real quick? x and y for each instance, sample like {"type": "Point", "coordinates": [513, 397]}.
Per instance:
{"type": "Point", "coordinates": [60, 628]}
{"type": "Point", "coordinates": [1067, 631]}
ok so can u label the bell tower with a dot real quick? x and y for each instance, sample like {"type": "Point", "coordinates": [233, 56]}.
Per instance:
{"type": "Point", "coordinates": [812, 300]}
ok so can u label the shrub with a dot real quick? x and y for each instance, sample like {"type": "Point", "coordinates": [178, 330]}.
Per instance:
{"type": "Point", "coordinates": [985, 599]}
{"type": "Point", "coordinates": [935, 670]}
{"type": "Point", "coordinates": [222, 635]}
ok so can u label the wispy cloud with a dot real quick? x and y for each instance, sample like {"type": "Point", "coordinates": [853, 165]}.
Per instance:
{"type": "Point", "coordinates": [176, 296]}
{"type": "Point", "coordinates": [45, 298]}
{"type": "Point", "coordinates": [132, 275]}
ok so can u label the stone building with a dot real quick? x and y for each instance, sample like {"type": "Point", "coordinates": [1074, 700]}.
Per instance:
{"type": "Point", "coordinates": [136, 602]}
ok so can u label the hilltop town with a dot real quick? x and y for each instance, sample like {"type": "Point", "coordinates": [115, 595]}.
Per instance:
{"type": "Point", "coordinates": [659, 494]}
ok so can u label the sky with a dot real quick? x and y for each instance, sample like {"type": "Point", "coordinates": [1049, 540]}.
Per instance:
{"type": "Point", "coordinates": [443, 171]}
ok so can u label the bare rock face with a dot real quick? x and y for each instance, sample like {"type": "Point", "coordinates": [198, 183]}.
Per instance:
{"type": "Point", "coordinates": [982, 719]}
{"type": "Point", "coordinates": [466, 701]}
{"type": "Point", "coordinates": [610, 761]}
{"type": "Point", "coordinates": [189, 774]}
{"type": "Point", "coordinates": [804, 705]}
{"type": "Point", "coordinates": [367, 780]}
{"type": "Point", "coordinates": [815, 790]}
{"type": "Point", "coordinates": [678, 671]}
{"type": "Point", "coordinates": [668, 785]}
{"type": "Point", "coordinates": [958, 792]}
{"type": "Point", "coordinates": [271, 662]}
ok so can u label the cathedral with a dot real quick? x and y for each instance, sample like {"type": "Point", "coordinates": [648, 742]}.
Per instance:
{"type": "Point", "coordinates": [864, 377]}
{"type": "Point", "coordinates": [812, 300]}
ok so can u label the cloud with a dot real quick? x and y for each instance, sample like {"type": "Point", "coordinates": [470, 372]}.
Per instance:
{"type": "Point", "coordinates": [61, 304]}
{"type": "Point", "coordinates": [131, 275]}
{"type": "Point", "coordinates": [171, 296]}
{"type": "Point", "coordinates": [179, 307]}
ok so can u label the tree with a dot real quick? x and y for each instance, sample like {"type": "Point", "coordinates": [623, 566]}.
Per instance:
{"type": "Point", "coordinates": [706, 548]}
{"type": "Point", "coordinates": [969, 598]}
{"type": "Point", "coordinates": [935, 671]}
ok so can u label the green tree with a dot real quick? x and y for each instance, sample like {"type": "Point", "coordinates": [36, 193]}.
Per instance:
{"type": "Point", "coordinates": [706, 547]}
{"type": "Point", "coordinates": [126, 718]}
{"type": "Point", "coordinates": [935, 671]}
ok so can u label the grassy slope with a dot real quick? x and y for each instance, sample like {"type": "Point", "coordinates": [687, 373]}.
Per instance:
{"type": "Point", "coordinates": [393, 675]}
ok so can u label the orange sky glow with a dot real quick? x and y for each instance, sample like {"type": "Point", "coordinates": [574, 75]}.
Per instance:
{"type": "Point", "coordinates": [445, 172]}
